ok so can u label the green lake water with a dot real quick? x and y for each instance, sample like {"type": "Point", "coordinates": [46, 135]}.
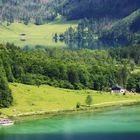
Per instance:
{"type": "Point", "coordinates": [117, 124]}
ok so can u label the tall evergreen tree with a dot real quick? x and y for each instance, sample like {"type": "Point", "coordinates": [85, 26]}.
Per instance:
{"type": "Point", "coordinates": [6, 98]}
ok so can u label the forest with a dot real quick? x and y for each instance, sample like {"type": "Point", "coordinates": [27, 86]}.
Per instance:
{"type": "Point", "coordinates": [122, 32]}
{"type": "Point", "coordinates": [78, 69]}
{"type": "Point", "coordinates": [43, 11]}
{"type": "Point", "coordinates": [97, 9]}
{"type": "Point", "coordinates": [26, 11]}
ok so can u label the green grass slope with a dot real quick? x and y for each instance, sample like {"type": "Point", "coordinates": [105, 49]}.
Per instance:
{"type": "Point", "coordinates": [36, 35]}
{"type": "Point", "coordinates": [29, 99]}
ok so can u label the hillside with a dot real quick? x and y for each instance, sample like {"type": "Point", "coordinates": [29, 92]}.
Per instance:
{"type": "Point", "coordinates": [76, 9]}
{"type": "Point", "coordinates": [42, 11]}
{"type": "Point", "coordinates": [36, 11]}
{"type": "Point", "coordinates": [126, 30]}
{"type": "Point", "coordinates": [31, 99]}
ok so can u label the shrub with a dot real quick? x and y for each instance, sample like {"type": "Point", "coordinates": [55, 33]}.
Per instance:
{"type": "Point", "coordinates": [78, 105]}
{"type": "Point", "coordinates": [89, 100]}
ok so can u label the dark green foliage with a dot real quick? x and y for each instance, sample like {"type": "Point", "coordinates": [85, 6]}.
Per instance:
{"type": "Point", "coordinates": [42, 11]}
{"type": "Point", "coordinates": [131, 81]}
{"type": "Point", "coordinates": [125, 31]}
{"type": "Point", "coordinates": [86, 34]}
{"type": "Point", "coordinates": [36, 11]}
{"type": "Point", "coordinates": [106, 31]}
{"type": "Point", "coordinates": [132, 52]}
{"type": "Point", "coordinates": [134, 83]}
{"type": "Point", "coordinates": [123, 75]}
{"type": "Point", "coordinates": [6, 98]}
{"type": "Point", "coordinates": [78, 105]}
{"type": "Point", "coordinates": [79, 69]}
{"type": "Point", "coordinates": [77, 9]}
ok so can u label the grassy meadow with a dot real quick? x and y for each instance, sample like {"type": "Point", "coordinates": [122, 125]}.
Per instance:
{"type": "Point", "coordinates": [36, 34]}
{"type": "Point", "coordinates": [45, 98]}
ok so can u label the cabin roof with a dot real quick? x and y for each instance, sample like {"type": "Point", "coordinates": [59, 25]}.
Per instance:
{"type": "Point", "coordinates": [117, 88]}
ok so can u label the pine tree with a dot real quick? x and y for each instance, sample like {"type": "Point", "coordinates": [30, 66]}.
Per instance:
{"type": "Point", "coordinates": [6, 98]}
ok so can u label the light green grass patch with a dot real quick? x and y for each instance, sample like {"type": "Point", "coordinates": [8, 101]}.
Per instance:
{"type": "Point", "coordinates": [29, 98]}
{"type": "Point", "coordinates": [36, 35]}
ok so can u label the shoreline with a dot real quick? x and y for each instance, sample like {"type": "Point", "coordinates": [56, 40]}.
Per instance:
{"type": "Point", "coordinates": [94, 108]}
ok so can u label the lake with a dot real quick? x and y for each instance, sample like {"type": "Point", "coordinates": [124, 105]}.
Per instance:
{"type": "Point", "coordinates": [118, 124]}
{"type": "Point", "coordinates": [40, 43]}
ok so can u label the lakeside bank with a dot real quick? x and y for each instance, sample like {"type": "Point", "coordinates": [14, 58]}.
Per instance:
{"type": "Point", "coordinates": [94, 108]}
{"type": "Point", "coordinates": [32, 102]}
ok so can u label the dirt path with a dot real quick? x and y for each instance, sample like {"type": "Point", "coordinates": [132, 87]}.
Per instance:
{"type": "Point", "coordinates": [123, 101]}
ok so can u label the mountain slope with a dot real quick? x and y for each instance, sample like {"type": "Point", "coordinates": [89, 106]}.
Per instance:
{"type": "Point", "coordinates": [125, 30]}
{"type": "Point", "coordinates": [76, 9]}
{"type": "Point", "coordinates": [40, 11]}
{"type": "Point", "coordinates": [36, 11]}
{"type": "Point", "coordinates": [50, 99]}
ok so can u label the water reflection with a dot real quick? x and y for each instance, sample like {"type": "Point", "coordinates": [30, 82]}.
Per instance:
{"type": "Point", "coordinates": [90, 44]}
{"type": "Point", "coordinates": [101, 136]}
{"type": "Point", "coordinates": [76, 45]}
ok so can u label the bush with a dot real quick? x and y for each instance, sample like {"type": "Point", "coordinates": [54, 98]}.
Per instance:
{"type": "Point", "coordinates": [78, 86]}
{"type": "Point", "coordinates": [89, 100]}
{"type": "Point", "coordinates": [78, 105]}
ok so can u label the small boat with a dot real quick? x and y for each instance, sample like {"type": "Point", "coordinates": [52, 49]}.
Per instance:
{"type": "Point", "coordinates": [6, 122]}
